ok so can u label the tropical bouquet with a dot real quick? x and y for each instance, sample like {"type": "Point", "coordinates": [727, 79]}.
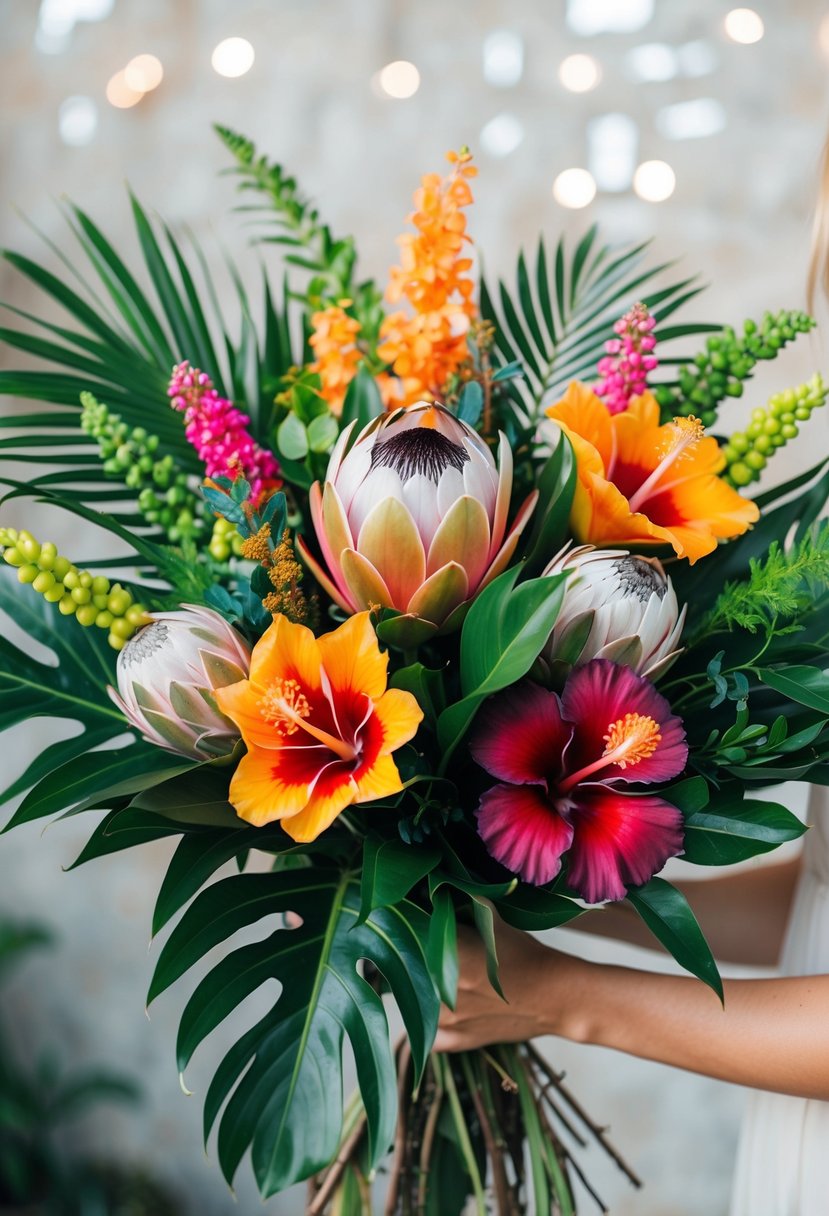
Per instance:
{"type": "Point", "coordinates": [433, 604]}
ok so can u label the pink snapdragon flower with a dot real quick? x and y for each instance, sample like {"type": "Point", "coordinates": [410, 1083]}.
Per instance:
{"type": "Point", "coordinates": [624, 368]}
{"type": "Point", "coordinates": [563, 763]}
{"type": "Point", "coordinates": [219, 432]}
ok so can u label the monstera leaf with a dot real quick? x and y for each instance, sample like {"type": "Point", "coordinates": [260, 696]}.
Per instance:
{"type": "Point", "coordinates": [286, 1073]}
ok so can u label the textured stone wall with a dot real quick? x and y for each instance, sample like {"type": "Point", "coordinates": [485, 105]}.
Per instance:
{"type": "Point", "coordinates": [739, 218]}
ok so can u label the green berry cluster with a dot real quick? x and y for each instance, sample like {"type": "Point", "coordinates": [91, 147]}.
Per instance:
{"type": "Point", "coordinates": [747, 452]}
{"type": "Point", "coordinates": [728, 360]}
{"type": "Point", "coordinates": [90, 598]}
{"type": "Point", "coordinates": [130, 454]}
{"type": "Point", "coordinates": [225, 540]}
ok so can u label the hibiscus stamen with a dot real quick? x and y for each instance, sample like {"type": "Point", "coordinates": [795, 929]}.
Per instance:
{"type": "Point", "coordinates": [285, 706]}
{"type": "Point", "coordinates": [682, 436]}
{"type": "Point", "coordinates": [628, 741]}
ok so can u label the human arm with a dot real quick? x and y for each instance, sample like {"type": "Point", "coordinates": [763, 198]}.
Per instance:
{"type": "Point", "coordinates": [770, 1035]}
{"type": "Point", "coordinates": [743, 915]}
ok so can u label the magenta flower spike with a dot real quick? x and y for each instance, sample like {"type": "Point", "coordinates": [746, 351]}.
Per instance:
{"type": "Point", "coordinates": [563, 764]}
{"type": "Point", "coordinates": [219, 432]}
{"type": "Point", "coordinates": [413, 517]}
{"type": "Point", "coordinates": [629, 359]}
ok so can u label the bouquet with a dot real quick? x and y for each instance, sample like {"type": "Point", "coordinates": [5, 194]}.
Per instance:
{"type": "Point", "coordinates": [450, 602]}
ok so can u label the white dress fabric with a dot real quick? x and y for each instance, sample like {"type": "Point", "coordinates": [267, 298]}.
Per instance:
{"type": "Point", "coordinates": [783, 1158]}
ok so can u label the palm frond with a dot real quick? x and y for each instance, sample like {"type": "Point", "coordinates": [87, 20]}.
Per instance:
{"type": "Point", "coordinates": [558, 317]}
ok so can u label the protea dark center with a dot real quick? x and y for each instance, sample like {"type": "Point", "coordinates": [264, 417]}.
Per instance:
{"type": "Point", "coordinates": [421, 450]}
{"type": "Point", "coordinates": [639, 577]}
{"type": "Point", "coordinates": [144, 643]}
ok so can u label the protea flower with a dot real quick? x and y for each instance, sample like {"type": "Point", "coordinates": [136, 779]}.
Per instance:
{"type": "Point", "coordinates": [319, 724]}
{"type": "Point", "coordinates": [563, 763]}
{"type": "Point", "coordinates": [167, 677]}
{"type": "Point", "coordinates": [413, 517]}
{"type": "Point", "coordinates": [617, 606]}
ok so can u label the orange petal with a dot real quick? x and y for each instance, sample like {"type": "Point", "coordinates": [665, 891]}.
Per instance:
{"type": "Point", "coordinates": [381, 780]}
{"type": "Point", "coordinates": [583, 414]}
{"type": "Point", "coordinates": [390, 541]}
{"type": "Point", "coordinates": [286, 651]}
{"type": "Point", "coordinates": [258, 795]}
{"type": "Point", "coordinates": [352, 657]}
{"type": "Point", "coordinates": [601, 515]}
{"type": "Point", "coordinates": [400, 715]}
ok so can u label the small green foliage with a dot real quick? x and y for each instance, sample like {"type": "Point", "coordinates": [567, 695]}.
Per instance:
{"type": "Point", "coordinates": [727, 361]}
{"type": "Point", "coordinates": [779, 588]}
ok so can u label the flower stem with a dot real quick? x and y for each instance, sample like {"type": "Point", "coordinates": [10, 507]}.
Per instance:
{"type": "Point", "coordinates": [464, 1143]}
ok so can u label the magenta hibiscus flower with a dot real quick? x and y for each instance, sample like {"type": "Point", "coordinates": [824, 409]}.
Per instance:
{"type": "Point", "coordinates": [561, 761]}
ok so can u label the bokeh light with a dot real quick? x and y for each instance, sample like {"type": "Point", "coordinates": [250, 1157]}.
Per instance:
{"type": "Point", "coordinates": [119, 93]}
{"type": "Point", "coordinates": [574, 188]}
{"type": "Point", "coordinates": [654, 181]}
{"type": "Point", "coordinates": [399, 79]}
{"type": "Point", "coordinates": [77, 120]}
{"type": "Point", "coordinates": [233, 57]}
{"type": "Point", "coordinates": [144, 73]}
{"type": "Point", "coordinates": [744, 25]}
{"type": "Point", "coordinates": [579, 73]}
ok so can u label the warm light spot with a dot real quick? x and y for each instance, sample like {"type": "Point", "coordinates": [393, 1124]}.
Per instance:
{"type": "Point", "coordinates": [400, 79]}
{"type": "Point", "coordinates": [654, 181]}
{"type": "Point", "coordinates": [119, 93]}
{"type": "Point", "coordinates": [233, 57]}
{"type": "Point", "coordinates": [744, 25]}
{"type": "Point", "coordinates": [631, 739]}
{"type": "Point", "coordinates": [579, 73]}
{"type": "Point", "coordinates": [144, 73]}
{"type": "Point", "coordinates": [77, 120]}
{"type": "Point", "coordinates": [823, 35]}
{"type": "Point", "coordinates": [574, 188]}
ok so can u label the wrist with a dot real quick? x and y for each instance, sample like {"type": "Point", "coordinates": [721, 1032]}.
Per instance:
{"type": "Point", "coordinates": [564, 996]}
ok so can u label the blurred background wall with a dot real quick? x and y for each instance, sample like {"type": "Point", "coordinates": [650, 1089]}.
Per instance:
{"type": "Point", "coordinates": [694, 126]}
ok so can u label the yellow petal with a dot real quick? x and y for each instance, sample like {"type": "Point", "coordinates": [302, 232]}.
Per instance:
{"type": "Point", "coordinates": [399, 715]}
{"type": "Point", "coordinates": [286, 652]}
{"type": "Point", "coordinates": [320, 811]}
{"type": "Point", "coordinates": [381, 780]}
{"type": "Point", "coordinates": [258, 795]}
{"type": "Point", "coordinates": [584, 416]}
{"type": "Point", "coordinates": [352, 657]}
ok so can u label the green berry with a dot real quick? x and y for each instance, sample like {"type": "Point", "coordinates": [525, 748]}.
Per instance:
{"type": "Point", "coordinates": [741, 474]}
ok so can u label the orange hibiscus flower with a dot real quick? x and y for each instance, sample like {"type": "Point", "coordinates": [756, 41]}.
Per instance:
{"type": "Point", "coordinates": [642, 483]}
{"type": "Point", "coordinates": [319, 725]}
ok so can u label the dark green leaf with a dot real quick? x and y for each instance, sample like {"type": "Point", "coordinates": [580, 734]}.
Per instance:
{"type": "Point", "coordinates": [666, 912]}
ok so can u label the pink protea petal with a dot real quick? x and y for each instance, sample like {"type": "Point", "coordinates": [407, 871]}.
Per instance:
{"type": "Point", "coordinates": [338, 595]}
{"type": "Point", "coordinates": [619, 840]}
{"type": "Point", "coordinates": [463, 537]}
{"type": "Point", "coordinates": [389, 540]}
{"type": "Point", "coordinates": [601, 693]}
{"type": "Point", "coordinates": [521, 736]}
{"type": "Point", "coordinates": [440, 594]}
{"type": "Point", "coordinates": [499, 522]}
{"type": "Point", "coordinates": [523, 831]}
{"type": "Point", "coordinates": [501, 560]}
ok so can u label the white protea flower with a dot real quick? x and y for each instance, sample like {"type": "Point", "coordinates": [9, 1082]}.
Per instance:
{"type": "Point", "coordinates": [617, 606]}
{"type": "Point", "coordinates": [166, 676]}
{"type": "Point", "coordinates": [413, 516]}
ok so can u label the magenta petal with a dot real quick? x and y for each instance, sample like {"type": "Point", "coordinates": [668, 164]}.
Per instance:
{"type": "Point", "coordinates": [520, 735]}
{"type": "Point", "coordinates": [523, 831]}
{"type": "Point", "coordinates": [619, 840]}
{"type": "Point", "coordinates": [599, 694]}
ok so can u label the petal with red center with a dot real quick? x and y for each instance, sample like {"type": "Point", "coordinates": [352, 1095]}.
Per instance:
{"type": "Point", "coordinates": [520, 735]}
{"type": "Point", "coordinates": [334, 791]}
{"type": "Point", "coordinates": [523, 831]}
{"type": "Point", "coordinates": [399, 715]}
{"type": "Point", "coordinates": [462, 537]}
{"type": "Point", "coordinates": [389, 540]}
{"type": "Point", "coordinates": [259, 794]}
{"type": "Point", "coordinates": [602, 693]}
{"type": "Point", "coordinates": [619, 840]}
{"type": "Point", "coordinates": [380, 781]}
{"type": "Point", "coordinates": [365, 585]}
{"type": "Point", "coordinates": [352, 658]}
{"type": "Point", "coordinates": [441, 594]}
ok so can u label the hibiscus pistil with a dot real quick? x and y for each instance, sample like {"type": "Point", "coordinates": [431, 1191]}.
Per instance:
{"type": "Point", "coordinates": [683, 438]}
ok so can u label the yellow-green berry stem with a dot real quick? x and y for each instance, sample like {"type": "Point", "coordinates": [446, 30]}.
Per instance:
{"type": "Point", "coordinates": [747, 452]}
{"type": "Point", "coordinates": [91, 598]}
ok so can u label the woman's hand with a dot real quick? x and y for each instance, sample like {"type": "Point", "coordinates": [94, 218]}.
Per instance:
{"type": "Point", "coordinates": [533, 977]}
